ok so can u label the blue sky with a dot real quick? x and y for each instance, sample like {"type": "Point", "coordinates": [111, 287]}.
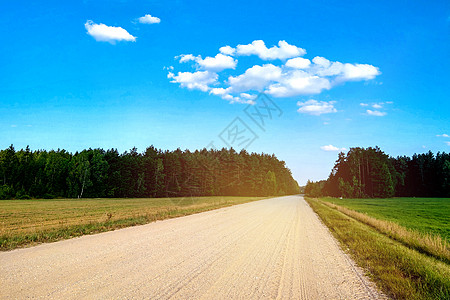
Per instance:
{"type": "Point", "coordinates": [118, 74]}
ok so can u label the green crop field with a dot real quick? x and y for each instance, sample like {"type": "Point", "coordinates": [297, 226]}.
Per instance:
{"type": "Point", "coordinates": [404, 263]}
{"type": "Point", "coordinates": [426, 215]}
{"type": "Point", "coordinates": [24, 222]}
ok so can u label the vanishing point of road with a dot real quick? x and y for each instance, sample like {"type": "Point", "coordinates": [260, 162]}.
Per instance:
{"type": "Point", "coordinates": [274, 248]}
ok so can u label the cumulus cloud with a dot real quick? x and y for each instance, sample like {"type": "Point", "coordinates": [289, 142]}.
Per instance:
{"type": "Point", "coordinates": [293, 76]}
{"type": "Point", "coordinates": [332, 148]}
{"type": "Point", "coordinates": [149, 19]}
{"type": "Point", "coordinates": [296, 83]}
{"type": "Point", "coordinates": [103, 33]}
{"type": "Point", "coordinates": [254, 78]}
{"type": "Point", "coordinates": [316, 108]}
{"type": "Point", "coordinates": [343, 71]}
{"type": "Point", "coordinates": [376, 113]}
{"type": "Point", "coordinates": [443, 135]}
{"type": "Point", "coordinates": [258, 47]}
{"type": "Point", "coordinates": [199, 80]}
{"type": "Point", "coordinates": [227, 50]}
{"type": "Point", "coordinates": [298, 63]}
{"type": "Point", "coordinates": [218, 63]}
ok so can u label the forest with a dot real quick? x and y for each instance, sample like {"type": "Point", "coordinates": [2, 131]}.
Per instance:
{"type": "Point", "coordinates": [371, 173]}
{"type": "Point", "coordinates": [95, 173]}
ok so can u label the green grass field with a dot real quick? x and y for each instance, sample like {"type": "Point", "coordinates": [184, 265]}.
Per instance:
{"type": "Point", "coordinates": [402, 263]}
{"type": "Point", "coordinates": [426, 215]}
{"type": "Point", "coordinates": [25, 222]}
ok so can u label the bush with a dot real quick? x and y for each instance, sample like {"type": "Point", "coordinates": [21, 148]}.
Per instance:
{"type": "Point", "coordinates": [6, 192]}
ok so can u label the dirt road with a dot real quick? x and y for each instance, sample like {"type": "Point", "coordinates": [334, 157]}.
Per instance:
{"type": "Point", "coordinates": [275, 248]}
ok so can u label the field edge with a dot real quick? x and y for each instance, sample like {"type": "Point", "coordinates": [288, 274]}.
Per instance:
{"type": "Point", "coordinates": [399, 271]}
{"type": "Point", "coordinates": [11, 242]}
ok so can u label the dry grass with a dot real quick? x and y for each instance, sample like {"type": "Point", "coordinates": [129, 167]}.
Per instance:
{"type": "Point", "coordinates": [27, 222]}
{"type": "Point", "coordinates": [431, 244]}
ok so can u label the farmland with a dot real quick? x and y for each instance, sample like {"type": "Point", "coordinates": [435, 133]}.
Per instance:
{"type": "Point", "coordinates": [26, 222]}
{"type": "Point", "coordinates": [401, 242]}
{"type": "Point", "coordinates": [426, 215]}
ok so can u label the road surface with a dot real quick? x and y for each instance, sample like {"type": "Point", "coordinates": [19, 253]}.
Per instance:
{"type": "Point", "coordinates": [275, 248]}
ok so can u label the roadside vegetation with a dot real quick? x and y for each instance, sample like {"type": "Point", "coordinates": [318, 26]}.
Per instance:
{"type": "Point", "coordinates": [405, 263]}
{"type": "Point", "coordinates": [28, 222]}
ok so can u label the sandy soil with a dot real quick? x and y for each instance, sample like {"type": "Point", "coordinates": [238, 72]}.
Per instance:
{"type": "Point", "coordinates": [275, 248]}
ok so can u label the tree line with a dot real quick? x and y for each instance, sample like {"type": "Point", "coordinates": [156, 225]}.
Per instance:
{"type": "Point", "coordinates": [96, 173]}
{"type": "Point", "coordinates": [370, 173]}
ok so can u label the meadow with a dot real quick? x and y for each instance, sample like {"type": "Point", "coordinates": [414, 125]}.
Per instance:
{"type": "Point", "coordinates": [27, 222]}
{"type": "Point", "coordinates": [402, 242]}
{"type": "Point", "coordinates": [425, 215]}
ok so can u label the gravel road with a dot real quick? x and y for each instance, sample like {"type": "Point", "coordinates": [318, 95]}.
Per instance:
{"type": "Point", "coordinates": [274, 248]}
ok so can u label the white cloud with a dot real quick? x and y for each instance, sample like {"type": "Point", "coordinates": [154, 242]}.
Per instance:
{"type": "Point", "coordinates": [376, 113]}
{"type": "Point", "coordinates": [186, 57]}
{"type": "Point", "coordinates": [298, 82]}
{"type": "Point", "coordinates": [247, 96]}
{"type": "Point", "coordinates": [298, 63]}
{"type": "Point", "coordinates": [258, 47]}
{"type": "Point", "coordinates": [377, 105]}
{"type": "Point", "coordinates": [199, 80]}
{"type": "Point", "coordinates": [149, 19]}
{"type": "Point", "coordinates": [316, 108]}
{"type": "Point", "coordinates": [110, 34]}
{"type": "Point", "coordinates": [443, 135]}
{"type": "Point", "coordinates": [227, 50]}
{"type": "Point", "coordinates": [359, 72]}
{"type": "Point", "coordinates": [448, 143]}
{"type": "Point", "coordinates": [254, 78]}
{"type": "Point", "coordinates": [218, 63]}
{"type": "Point", "coordinates": [332, 148]}
{"type": "Point", "coordinates": [343, 72]}
{"type": "Point", "coordinates": [297, 76]}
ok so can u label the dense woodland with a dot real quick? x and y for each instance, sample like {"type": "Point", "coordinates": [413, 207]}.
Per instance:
{"type": "Point", "coordinates": [154, 173]}
{"type": "Point", "coordinates": [370, 173]}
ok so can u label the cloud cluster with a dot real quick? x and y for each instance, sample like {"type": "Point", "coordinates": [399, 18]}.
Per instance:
{"type": "Point", "coordinates": [194, 81]}
{"type": "Point", "coordinates": [376, 113]}
{"type": "Point", "coordinates": [259, 48]}
{"type": "Point", "coordinates": [377, 108]}
{"type": "Point", "coordinates": [149, 19]}
{"type": "Point", "coordinates": [332, 148]}
{"type": "Point", "coordinates": [111, 34]}
{"type": "Point", "coordinates": [316, 108]}
{"type": "Point", "coordinates": [218, 63]}
{"type": "Point", "coordinates": [287, 75]}
{"type": "Point", "coordinates": [103, 33]}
